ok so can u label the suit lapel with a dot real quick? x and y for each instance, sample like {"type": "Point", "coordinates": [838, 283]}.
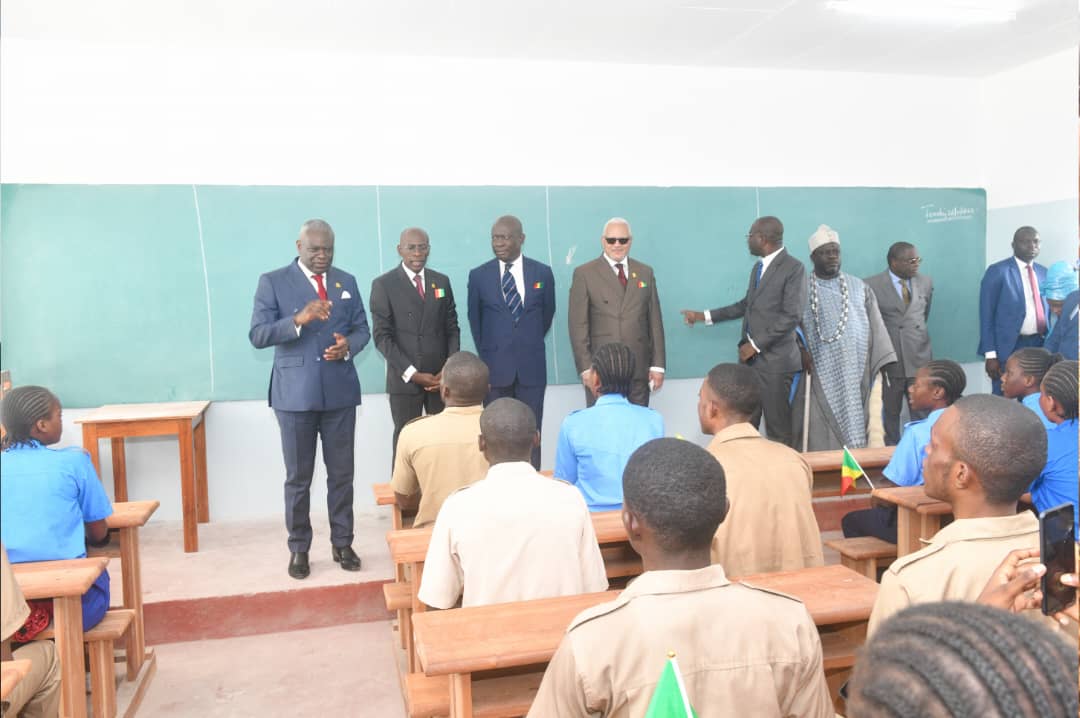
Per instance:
{"type": "Point", "coordinates": [1015, 281]}
{"type": "Point", "coordinates": [302, 284]}
{"type": "Point", "coordinates": [609, 280]}
{"type": "Point", "coordinates": [431, 301]}
{"type": "Point", "coordinates": [630, 291]}
{"type": "Point", "coordinates": [527, 280]}
{"type": "Point", "coordinates": [406, 287]}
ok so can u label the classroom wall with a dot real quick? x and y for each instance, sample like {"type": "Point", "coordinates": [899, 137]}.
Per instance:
{"type": "Point", "coordinates": [153, 115]}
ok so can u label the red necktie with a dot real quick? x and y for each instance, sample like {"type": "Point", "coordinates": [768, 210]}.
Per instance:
{"type": "Point", "coordinates": [419, 284]}
{"type": "Point", "coordinates": [622, 275]}
{"type": "Point", "coordinates": [322, 287]}
{"type": "Point", "coordinates": [1040, 315]}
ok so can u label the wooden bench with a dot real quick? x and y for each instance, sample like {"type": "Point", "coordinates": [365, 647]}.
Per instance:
{"type": "Point", "coordinates": [918, 517]}
{"type": "Point", "coordinates": [11, 672]}
{"type": "Point", "coordinates": [865, 554]}
{"type": "Point", "coordinates": [99, 641]}
{"type": "Point", "coordinates": [500, 697]}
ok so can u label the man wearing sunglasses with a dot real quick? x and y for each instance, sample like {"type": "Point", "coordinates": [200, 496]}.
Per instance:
{"type": "Point", "coordinates": [613, 299]}
{"type": "Point", "coordinates": [904, 300]}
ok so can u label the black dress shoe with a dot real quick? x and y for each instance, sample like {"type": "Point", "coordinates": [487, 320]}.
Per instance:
{"type": "Point", "coordinates": [347, 558]}
{"type": "Point", "coordinates": [298, 565]}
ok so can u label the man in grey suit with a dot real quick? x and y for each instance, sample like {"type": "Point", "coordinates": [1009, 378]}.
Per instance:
{"type": "Point", "coordinates": [903, 297]}
{"type": "Point", "coordinates": [613, 299]}
{"type": "Point", "coordinates": [770, 310]}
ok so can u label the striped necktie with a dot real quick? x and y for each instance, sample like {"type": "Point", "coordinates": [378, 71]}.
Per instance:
{"type": "Point", "coordinates": [510, 293]}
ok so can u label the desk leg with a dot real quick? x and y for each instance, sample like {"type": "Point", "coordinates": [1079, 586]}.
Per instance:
{"type": "Point", "coordinates": [417, 571]}
{"type": "Point", "coordinates": [907, 531]}
{"type": "Point", "coordinates": [67, 620]}
{"type": "Point", "coordinates": [461, 695]}
{"type": "Point", "coordinates": [135, 643]}
{"type": "Point", "coordinates": [187, 486]}
{"type": "Point", "coordinates": [119, 469]}
{"type": "Point", "coordinates": [200, 472]}
{"type": "Point", "coordinates": [90, 443]}
{"type": "Point", "coordinates": [929, 526]}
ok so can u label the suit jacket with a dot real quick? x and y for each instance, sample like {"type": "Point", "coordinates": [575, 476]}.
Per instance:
{"type": "Point", "coordinates": [512, 349]}
{"type": "Point", "coordinates": [771, 312]}
{"type": "Point", "coordinates": [906, 325]}
{"type": "Point", "coordinates": [1001, 307]}
{"type": "Point", "coordinates": [1063, 337]}
{"type": "Point", "coordinates": [602, 311]}
{"type": "Point", "coordinates": [410, 331]}
{"type": "Point", "coordinates": [301, 380]}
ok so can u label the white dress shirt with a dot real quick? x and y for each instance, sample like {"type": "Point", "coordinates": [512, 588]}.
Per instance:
{"type": "Point", "coordinates": [311, 280]}
{"type": "Point", "coordinates": [1031, 324]}
{"type": "Point", "coordinates": [517, 271]}
{"type": "Point", "coordinates": [898, 283]}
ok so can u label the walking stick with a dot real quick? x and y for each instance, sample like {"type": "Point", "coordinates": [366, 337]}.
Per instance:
{"type": "Point", "coordinates": [806, 413]}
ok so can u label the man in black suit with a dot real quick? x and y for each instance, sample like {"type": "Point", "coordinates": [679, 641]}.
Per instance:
{"type": "Point", "coordinates": [772, 308]}
{"type": "Point", "coordinates": [415, 328]}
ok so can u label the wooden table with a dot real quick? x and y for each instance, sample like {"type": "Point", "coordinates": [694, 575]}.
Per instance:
{"type": "Point", "coordinates": [11, 672]}
{"type": "Point", "coordinates": [64, 582]}
{"type": "Point", "coordinates": [129, 517]}
{"type": "Point", "coordinates": [184, 419]}
{"type": "Point", "coordinates": [826, 468]}
{"type": "Point", "coordinates": [463, 641]}
{"type": "Point", "coordinates": [918, 517]}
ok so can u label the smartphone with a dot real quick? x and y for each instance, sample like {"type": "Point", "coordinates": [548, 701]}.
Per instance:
{"type": "Point", "coordinates": [1058, 555]}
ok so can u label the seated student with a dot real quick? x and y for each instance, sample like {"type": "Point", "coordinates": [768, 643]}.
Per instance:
{"type": "Point", "coordinates": [770, 525]}
{"type": "Point", "coordinates": [51, 501]}
{"type": "Point", "coordinates": [1060, 291]}
{"type": "Point", "coordinates": [595, 443]}
{"type": "Point", "coordinates": [937, 385]}
{"type": "Point", "coordinates": [963, 659]}
{"type": "Point", "coordinates": [1023, 375]}
{"type": "Point", "coordinates": [1057, 484]}
{"type": "Point", "coordinates": [38, 694]}
{"type": "Point", "coordinates": [984, 452]}
{"type": "Point", "coordinates": [743, 651]}
{"type": "Point", "coordinates": [437, 454]}
{"type": "Point", "coordinates": [516, 535]}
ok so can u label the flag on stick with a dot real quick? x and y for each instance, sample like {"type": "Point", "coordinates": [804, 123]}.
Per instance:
{"type": "Point", "coordinates": [850, 471]}
{"type": "Point", "coordinates": [669, 699]}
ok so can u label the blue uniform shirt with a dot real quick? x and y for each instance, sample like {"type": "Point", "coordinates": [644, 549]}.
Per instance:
{"type": "Point", "coordinates": [1057, 484]}
{"type": "Point", "coordinates": [595, 444]}
{"type": "Point", "coordinates": [905, 466]}
{"type": "Point", "coordinates": [46, 495]}
{"type": "Point", "coordinates": [1031, 401]}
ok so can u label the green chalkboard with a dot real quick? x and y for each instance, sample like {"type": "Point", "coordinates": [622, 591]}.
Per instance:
{"type": "Point", "coordinates": [143, 293]}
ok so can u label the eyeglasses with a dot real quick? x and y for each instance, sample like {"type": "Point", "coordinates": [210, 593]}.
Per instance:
{"type": "Point", "coordinates": [620, 240]}
{"type": "Point", "coordinates": [914, 261]}
{"type": "Point", "coordinates": [503, 237]}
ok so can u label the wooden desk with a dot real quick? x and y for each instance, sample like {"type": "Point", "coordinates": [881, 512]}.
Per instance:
{"type": "Point", "coordinates": [463, 641]}
{"type": "Point", "coordinates": [129, 517]}
{"type": "Point", "coordinates": [64, 582]}
{"type": "Point", "coordinates": [11, 672]}
{"type": "Point", "coordinates": [185, 419]}
{"type": "Point", "coordinates": [918, 517]}
{"type": "Point", "coordinates": [826, 468]}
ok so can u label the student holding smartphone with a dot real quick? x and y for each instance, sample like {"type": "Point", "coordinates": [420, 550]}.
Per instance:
{"type": "Point", "coordinates": [1057, 483]}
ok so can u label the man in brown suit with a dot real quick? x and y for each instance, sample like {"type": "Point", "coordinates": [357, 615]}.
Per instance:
{"type": "Point", "coordinates": [613, 299]}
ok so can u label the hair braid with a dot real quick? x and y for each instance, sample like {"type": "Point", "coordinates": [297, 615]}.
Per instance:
{"type": "Point", "coordinates": [1035, 361]}
{"type": "Point", "coordinates": [614, 363]}
{"type": "Point", "coordinates": [23, 407]}
{"type": "Point", "coordinates": [1061, 384]}
{"type": "Point", "coordinates": [949, 376]}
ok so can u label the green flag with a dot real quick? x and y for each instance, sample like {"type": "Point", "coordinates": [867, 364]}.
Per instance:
{"type": "Point", "coordinates": [669, 700]}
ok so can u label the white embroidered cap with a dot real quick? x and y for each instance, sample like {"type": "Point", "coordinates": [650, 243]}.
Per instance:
{"type": "Point", "coordinates": [824, 235]}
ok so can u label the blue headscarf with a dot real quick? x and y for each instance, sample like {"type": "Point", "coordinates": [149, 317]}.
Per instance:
{"type": "Point", "coordinates": [1060, 281]}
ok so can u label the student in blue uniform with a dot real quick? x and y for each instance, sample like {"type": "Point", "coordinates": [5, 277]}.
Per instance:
{"type": "Point", "coordinates": [51, 501]}
{"type": "Point", "coordinates": [1024, 372]}
{"type": "Point", "coordinates": [1057, 484]}
{"type": "Point", "coordinates": [937, 385]}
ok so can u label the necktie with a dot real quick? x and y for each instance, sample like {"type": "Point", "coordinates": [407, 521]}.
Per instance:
{"type": "Point", "coordinates": [322, 287]}
{"type": "Point", "coordinates": [510, 292]}
{"type": "Point", "coordinates": [758, 270]}
{"type": "Point", "coordinates": [1040, 315]}
{"type": "Point", "coordinates": [622, 275]}
{"type": "Point", "coordinates": [905, 292]}
{"type": "Point", "coordinates": [419, 282]}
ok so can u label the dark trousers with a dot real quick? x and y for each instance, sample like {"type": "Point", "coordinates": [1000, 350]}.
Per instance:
{"type": "Point", "coordinates": [639, 393]}
{"type": "Point", "coordinates": [299, 431]}
{"type": "Point", "coordinates": [878, 521]}
{"type": "Point", "coordinates": [893, 397]}
{"type": "Point", "coordinates": [533, 396]}
{"type": "Point", "coordinates": [1031, 340]}
{"type": "Point", "coordinates": [406, 407]}
{"type": "Point", "coordinates": [775, 389]}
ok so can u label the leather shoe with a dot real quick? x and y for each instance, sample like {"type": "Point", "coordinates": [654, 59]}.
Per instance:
{"type": "Point", "coordinates": [298, 565]}
{"type": "Point", "coordinates": [347, 558]}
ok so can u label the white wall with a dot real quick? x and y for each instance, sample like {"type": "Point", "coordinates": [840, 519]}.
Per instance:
{"type": "Point", "coordinates": [147, 115]}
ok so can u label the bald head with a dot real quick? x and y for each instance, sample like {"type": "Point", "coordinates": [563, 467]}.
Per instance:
{"type": "Point", "coordinates": [771, 228]}
{"type": "Point", "coordinates": [464, 380]}
{"type": "Point", "coordinates": [507, 431]}
{"type": "Point", "coordinates": [413, 248]}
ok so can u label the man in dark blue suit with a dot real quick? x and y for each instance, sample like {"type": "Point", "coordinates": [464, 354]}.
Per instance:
{"type": "Point", "coordinates": [1012, 312]}
{"type": "Point", "coordinates": [313, 316]}
{"type": "Point", "coordinates": [511, 305]}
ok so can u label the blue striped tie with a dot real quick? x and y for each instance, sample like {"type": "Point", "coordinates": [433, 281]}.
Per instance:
{"type": "Point", "coordinates": [758, 272]}
{"type": "Point", "coordinates": [510, 293]}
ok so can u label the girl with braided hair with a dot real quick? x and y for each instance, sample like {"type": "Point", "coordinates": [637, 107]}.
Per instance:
{"type": "Point", "coordinates": [51, 501]}
{"type": "Point", "coordinates": [1024, 372]}
{"type": "Point", "coordinates": [1057, 484]}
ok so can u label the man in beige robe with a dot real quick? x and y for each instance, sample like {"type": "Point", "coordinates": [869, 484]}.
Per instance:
{"type": "Point", "coordinates": [770, 524]}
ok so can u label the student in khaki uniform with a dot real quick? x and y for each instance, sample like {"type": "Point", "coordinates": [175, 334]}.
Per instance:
{"type": "Point", "coordinates": [770, 525]}
{"type": "Point", "coordinates": [38, 694]}
{"type": "Point", "coordinates": [516, 535]}
{"type": "Point", "coordinates": [437, 454]}
{"type": "Point", "coordinates": [743, 651]}
{"type": "Point", "coordinates": [984, 452]}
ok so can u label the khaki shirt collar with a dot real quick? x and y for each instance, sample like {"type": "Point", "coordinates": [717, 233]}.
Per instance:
{"type": "Point", "coordinates": [653, 583]}
{"type": "Point", "coordinates": [993, 527]}
{"type": "Point", "coordinates": [742, 430]}
{"type": "Point", "coordinates": [464, 410]}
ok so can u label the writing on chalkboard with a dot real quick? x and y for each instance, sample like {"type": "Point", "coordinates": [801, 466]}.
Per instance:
{"type": "Point", "coordinates": [935, 214]}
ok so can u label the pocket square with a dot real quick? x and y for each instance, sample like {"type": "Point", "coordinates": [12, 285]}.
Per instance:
{"type": "Point", "coordinates": [346, 295]}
